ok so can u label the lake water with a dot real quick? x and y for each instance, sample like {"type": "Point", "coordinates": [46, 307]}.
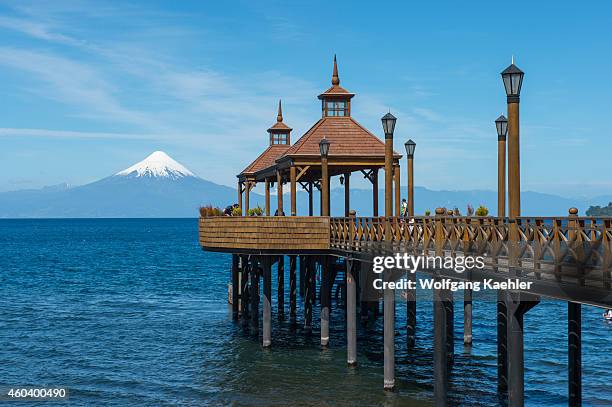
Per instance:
{"type": "Point", "coordinates": [133, 312]}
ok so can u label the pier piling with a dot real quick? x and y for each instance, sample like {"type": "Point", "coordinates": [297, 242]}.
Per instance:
{"type": "Point", "coordinates": [254, 296]}
{"type": "Point", "coordinates": [281, 287]}
{"type": "Point", "coordinates": [574, 337]}
{"type": "Point", "coordinates": [325, 298]}
{"type": "Point", "coordinates": [411, 313]}
{"type": "Point", "coordinates": [235, 287]}
{"type": "Point", "coordinates": [351, 314]}
{"type": "Point", "coordinates": [389, 339]}
{"type": "Point", "coordinates": [449, 308]}
{"type": "Point", "coordinates": [308, 295]}
{"type": "Point", "coordinates": [467, 317]}
{"type": "Point", "coordinates": [292, 289]}
{"type": "Point", "coordinates": [302, 275]}
{"type": "Point", "coordinates": [244, 291]}
{"type": "Point", "coordinates": [502, 344]}
{"type": "Point", "coordinates": [267, 306]}
{"type": "Point", "coordinates": [517, 305]}
{"type": "Point", "coordinates": [440, 348]}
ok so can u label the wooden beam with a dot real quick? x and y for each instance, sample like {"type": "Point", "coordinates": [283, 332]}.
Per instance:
{"type": "Point", "coordinates": [302, 172]}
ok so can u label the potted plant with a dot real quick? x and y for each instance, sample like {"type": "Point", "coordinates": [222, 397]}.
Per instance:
{"type": "Point", "coordinates": [482, 211]}
{"type": "Point", "coordinates": [209, 210]}
{"type": "Point", "coordinates": [255, 211]}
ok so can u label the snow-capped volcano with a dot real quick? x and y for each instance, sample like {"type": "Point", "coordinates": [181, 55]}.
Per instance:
{"type": "Point", "coordinates": [158, 164]}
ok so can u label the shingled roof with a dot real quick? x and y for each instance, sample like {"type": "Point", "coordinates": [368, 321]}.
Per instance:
{"type": "Point", "coordinates": [347, 138]}
{"type": "Point", "coordinates": [266, 159]}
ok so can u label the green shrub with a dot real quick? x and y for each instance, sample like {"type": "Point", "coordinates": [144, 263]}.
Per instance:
{"type": "Point", "coordinates": [237, 211]}
{"type": "Point", "coordinates": [427, 212]}
{"type": "Point", "coordinates": [482, 211]}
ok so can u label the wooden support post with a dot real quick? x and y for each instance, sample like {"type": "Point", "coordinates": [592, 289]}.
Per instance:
{"type": "Point", "coordinates": [324, 187]}
{"type": "Point", "coordinates": [501, 176]}
{"type": "Point", "coordinates": [267, 187]}
{"type": "Point", "coordinates": [517, 305]}
{"type": "Point", "coordinates": [279, 190]}
{"type": "Point", "coordinates": [514, 166]}
{"type": "Point", "coordinates": [398, 194]}
{"type": "Point", "coordinates": [467, 317]}
{"type": "Point", "coordinates": [388, 176]}
{"type": "Point", "coordinates": [240, 195]}
{"type": "Point", "coordinates": [411, 313]}
{"type": "Point", "coordinates": [410, 191]}
{"type": "Point", "coordinates": [389, 336]}
{"type": "Point", "coordinates": [267, 307]}
{"type": "Point", "coordinates": [374, 180]}
{"type": "Point", "coordinates": [308, 295]}
{"type": "Point", "coordinates": [280, 292]}
{"type": "Point", "coordinates": [292, 289]}
{"type": "Point", "coordinates": [235, 286]}
{"type": "Point", "coordinates": [310, 204]}
{"type": "Point", "coordinates": [292, 177]}
{"type": "Point", "coordinates": [440, 348]}
{"type": "Point", "coordinates": [325, 294]}
{"type": "Point", "coordinates": [502, 344]}
{"type": "Point", "coordinates": [574, 338]}
{"type": "Point", "coordinates": [347, 193]}
{"type": "Point", "coordinates": [351, 313]}
{"type": "Point", "coordinates": [254, 295]}
{"type": "Point", "coordinates": [247, 193]}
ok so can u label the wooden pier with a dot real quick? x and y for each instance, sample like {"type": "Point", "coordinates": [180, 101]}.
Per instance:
{"type": "Point", "coordinates": [566, 258]}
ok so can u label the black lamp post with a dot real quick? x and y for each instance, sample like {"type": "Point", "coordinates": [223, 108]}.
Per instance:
{"type": "Point", "coordinates": [388, 122]}
{"type": "Point", "coordinates": [410, 147]}
{"type": "Point", "coordinates": [324, 150]}
{"type": "Point", "coordinates": [501, 124]}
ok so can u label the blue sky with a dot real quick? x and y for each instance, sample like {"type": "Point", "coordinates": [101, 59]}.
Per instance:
{"type": "Point", "coordinates": [89, 88]}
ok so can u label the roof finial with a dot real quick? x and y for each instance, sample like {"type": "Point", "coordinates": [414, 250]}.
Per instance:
{"type": "Point", "coordinates": [335, 77]}
{"type": "Point", "coordinates": [279, 117]}
{"type": "Point", "coordinates": [512, 59]}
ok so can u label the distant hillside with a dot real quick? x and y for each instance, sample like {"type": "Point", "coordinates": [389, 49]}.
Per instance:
{"type": "Point", "coordinates": [159, 186]}
{"type": "Point", "coordinates": [600, 210]}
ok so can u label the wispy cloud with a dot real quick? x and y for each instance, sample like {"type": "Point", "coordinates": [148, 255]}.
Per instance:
{"type": "Point", "coordinates": [65, 134]}
{"type": "Point", "coordinates": [36, 30]}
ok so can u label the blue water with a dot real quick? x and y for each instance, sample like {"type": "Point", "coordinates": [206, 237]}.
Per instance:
{"type": "Point", "coordinates": [133, 312]}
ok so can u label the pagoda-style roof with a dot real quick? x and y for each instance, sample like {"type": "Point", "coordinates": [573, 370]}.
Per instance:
{"type": "Point", "coordinates": [275, 150]}
{"type": "Point", "coordinates": [265, 159]}
{"type": "Point", "coordinates": [279, 126]}
{"type": "Point", "coordinates": [347, 138]}
{"type": "Point", "coordinates": [336, 90]}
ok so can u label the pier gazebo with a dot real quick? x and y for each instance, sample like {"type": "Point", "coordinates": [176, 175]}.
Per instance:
{"type": "Point", "coordinates": [353, 148]}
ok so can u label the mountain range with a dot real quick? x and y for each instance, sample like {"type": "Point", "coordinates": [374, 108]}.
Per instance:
{"type": "Point", "coordinates": [159, 186]}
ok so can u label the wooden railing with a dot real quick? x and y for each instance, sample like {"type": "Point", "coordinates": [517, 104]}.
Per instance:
{"type": "Point", "coordinates": [569, 249]}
